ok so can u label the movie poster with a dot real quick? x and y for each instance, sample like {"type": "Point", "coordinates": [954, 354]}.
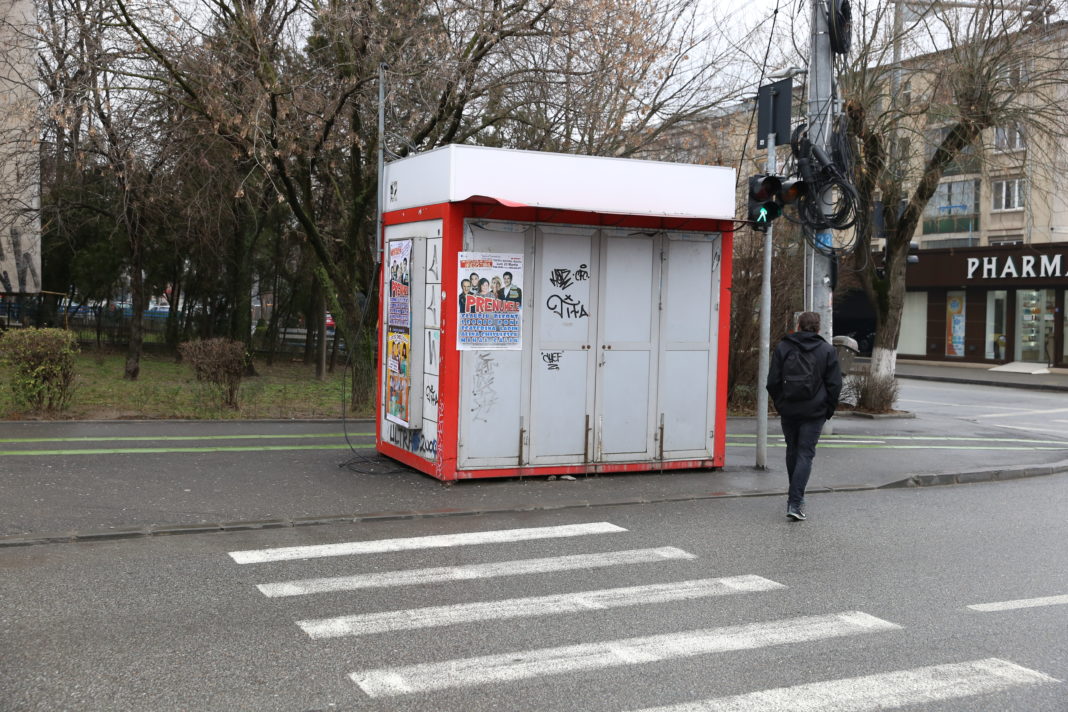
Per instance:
{"type": "Point", "coordinates": [398, 334]}
{"type": "Point", "coordinates": [491, 302]}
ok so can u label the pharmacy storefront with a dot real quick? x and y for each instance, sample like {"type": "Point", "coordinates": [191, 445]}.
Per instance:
{"type": "Point", "coordinates": [987, 304]}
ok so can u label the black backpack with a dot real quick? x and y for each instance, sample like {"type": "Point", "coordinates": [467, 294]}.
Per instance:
{"type": "Point", "coordinates": [800, 381]}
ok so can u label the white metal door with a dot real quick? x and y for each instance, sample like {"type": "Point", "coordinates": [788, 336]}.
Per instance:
{"type": "Point", "coordinates": [493, 391]}
{"type": "Point", "coordinates": [626, 347]}
{"type": "Point", "coordinates": [564, 308]}
{"type": "Point", "coordinates": [688, 333]}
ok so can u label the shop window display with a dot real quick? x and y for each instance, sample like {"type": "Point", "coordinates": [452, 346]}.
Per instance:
{"type": "Point", "coordinates": [1035, 311]}
{"type": "Point", "coordinates": [996, 320]}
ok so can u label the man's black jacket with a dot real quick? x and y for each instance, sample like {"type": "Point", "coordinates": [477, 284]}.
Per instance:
{"type": "Point", "coordinates": [822, 404]}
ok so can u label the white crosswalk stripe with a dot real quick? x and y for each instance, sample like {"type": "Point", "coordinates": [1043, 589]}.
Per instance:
{"type": "Point", "coordinates": [880, 691]}
{"type": "Point", "coordinates": [1020, 603]}
{"type": "Point", "coordinates": [578, 601]}
{"type": "Point", "coordinates": [885, 691]}
{"type": "Point", "coordinates": [522, 567]}
{"type": "Point", "coordinates": [500, 536]}
{"type": "Point", "coordinates": [481, 670]}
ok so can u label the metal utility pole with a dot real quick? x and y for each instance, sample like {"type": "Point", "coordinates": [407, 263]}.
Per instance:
{"type": "Point", "coordinates": [765, 329]}
{"type": "Point", "coordinates": [818, 292]}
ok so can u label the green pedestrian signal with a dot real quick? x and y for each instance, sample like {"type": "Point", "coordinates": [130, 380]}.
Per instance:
{"type": "Point", "coordinates": [764, 200]}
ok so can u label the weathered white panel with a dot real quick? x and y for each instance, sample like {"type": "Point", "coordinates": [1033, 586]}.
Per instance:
{"type": "Point", "coordinates": [626, 385]}
{"type": "Point", "coordinates": [625, 403]}
{"type": "Point", "coordinates": [432, 315]}
{"type": "Point", "coordinates": [683, 400]}
{"type": "Point", "coordinates": [433, 260]}
{"type": "Point", "coordinates": [564, 326]}
{"type": "Point", "coordinates": [554, 180]}
{"type": "Point", "coordinates": [431, 351]}
{"type": "Point", "coordinates": [491, 382]}
{"type": "Point", "coordinates": [688, 291]}
{"type": "Point", "coordinates": [430, 397]}
{"type": "Point", "coordinates": [629, 275]}
{"type": "Point", "coordinates": [558, 419]}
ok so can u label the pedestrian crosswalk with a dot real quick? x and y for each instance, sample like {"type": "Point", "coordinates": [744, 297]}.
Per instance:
{"type": "Point", "coordinates": [471, 668]}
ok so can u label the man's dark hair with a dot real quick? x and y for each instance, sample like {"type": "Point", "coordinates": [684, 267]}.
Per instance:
{"type": "Point", "coordinates": [508, 275]}
{"type": "Point", "coordinates": [808, 321]}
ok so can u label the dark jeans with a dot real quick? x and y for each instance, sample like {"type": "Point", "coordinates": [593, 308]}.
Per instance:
{"type": "Point", "coordinates": [801, 435]}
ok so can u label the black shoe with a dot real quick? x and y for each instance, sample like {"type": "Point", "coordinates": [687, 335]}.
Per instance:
{"type": "Point", "coordinates": [795, 514]}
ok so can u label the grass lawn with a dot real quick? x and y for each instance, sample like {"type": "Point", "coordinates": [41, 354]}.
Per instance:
{"type": "Point", "coordinates": [166, 389]}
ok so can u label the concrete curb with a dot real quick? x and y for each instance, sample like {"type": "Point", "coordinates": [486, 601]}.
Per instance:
{"type": "Point", "coordinates": [282, 523]}
{"type": "Point", "coordinates": [976, 382]}
{"type": "Point", "coordinates": [993, 475]}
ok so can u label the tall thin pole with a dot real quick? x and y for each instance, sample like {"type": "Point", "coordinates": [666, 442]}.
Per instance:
{"type": "Point", "coordinates": [379, 243]}
{"type": "Point", "coordinates": [765, 330]}
{"type": "Point", "coordinates": [820, 97]}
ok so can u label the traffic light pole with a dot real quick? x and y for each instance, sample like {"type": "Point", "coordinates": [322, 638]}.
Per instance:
{"type": "Point", "coordinates": [765, 331]}
{"type": "Point", "coordinates": [818, 294]}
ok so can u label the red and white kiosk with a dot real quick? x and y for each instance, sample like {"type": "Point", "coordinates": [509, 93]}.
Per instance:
{"type": "Point", "coordinates": [553, 314]}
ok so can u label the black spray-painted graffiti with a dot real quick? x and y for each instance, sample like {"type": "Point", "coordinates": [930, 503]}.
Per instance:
{"type": "Point", "coordinates": [483, 394]}
{"type": "Point", "coordinates": [552, 359]}
{"type": "Point", "coordinates": [412, 441]}
{"type": "Point", "coordinates": [432, 350]}
{"type": "Point", "coordinates": [431, 395]}
{"type": "Point", "coordinates": [432, 307]}
{"type": "Point", "coordinates": [433, 267]}
{"type": "Point", "coordinates": [560, 278]}
{"type": "Point", "coordinates": [566, 307]}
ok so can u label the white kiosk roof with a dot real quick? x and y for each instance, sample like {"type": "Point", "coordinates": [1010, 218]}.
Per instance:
{"type": "Point", "coordinates": [557, 180]}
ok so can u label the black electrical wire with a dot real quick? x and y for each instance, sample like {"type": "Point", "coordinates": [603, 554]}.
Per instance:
{"type": "Point", "coordinates": [763, 71]}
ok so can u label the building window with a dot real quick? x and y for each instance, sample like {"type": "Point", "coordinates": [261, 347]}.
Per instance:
{"type": "Point", "coordinates": [954, 207]}
{"type": "Point", "coordinates": [1009, 138]}
{"type": "Point", "coordinates": [967, 161]}
{"type": "Point", "coordinates": [1006, 241]}
{"type": "Point", "coordinates": [1008, 194]}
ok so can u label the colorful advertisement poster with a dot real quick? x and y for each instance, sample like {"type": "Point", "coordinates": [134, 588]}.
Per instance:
{"type": "Point", "coordinates": [955, 325]}
{"type": "Point", "coordinates": [400, 278]}
{"type": "Point", "coordinates": [491, 302]}
{"type": "Point", "coordinates": [398, 334]}
{"type": "Point", "coordinates": [399, 385]}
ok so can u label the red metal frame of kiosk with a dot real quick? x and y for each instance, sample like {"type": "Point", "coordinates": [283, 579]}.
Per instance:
{"type": "Point", "coordinates": [453, 215]}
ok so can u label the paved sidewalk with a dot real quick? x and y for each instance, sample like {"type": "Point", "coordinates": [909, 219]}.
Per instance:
{"type": "Point", "coordinates": [102, 480]}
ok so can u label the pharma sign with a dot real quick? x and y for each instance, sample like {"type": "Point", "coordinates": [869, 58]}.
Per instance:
{"type": "Point", "coordinates": [1016, 266]}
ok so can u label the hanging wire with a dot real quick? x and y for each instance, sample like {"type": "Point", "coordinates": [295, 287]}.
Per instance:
{"type": "Point", "coordinates": [763, 72]}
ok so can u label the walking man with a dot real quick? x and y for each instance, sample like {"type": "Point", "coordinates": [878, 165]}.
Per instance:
{"type": "Point", "coordinates": [804, 382]}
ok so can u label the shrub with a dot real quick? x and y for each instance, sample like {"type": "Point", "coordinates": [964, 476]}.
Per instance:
{"type": "Point", "coordinates": [876, 395]}
{"type": "Point", "coordinates": [42, 361]}
{"type": "Point", "coordinates": [218, 362]}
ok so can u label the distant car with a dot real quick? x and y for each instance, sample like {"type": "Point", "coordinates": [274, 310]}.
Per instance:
{"type": "Point", "coordinates": [329, 320]}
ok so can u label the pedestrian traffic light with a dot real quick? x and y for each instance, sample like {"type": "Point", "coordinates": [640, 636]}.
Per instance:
{"type": "Point", "coordinates": [764, 200]}
{"type": "Point", "coordinates": [912, 258]}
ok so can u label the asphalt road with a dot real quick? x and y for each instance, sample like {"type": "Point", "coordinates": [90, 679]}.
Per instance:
{"type": "Point", "coordinates": [1039, 414]}
{"type": "Point", "coordinates": [873, 590]}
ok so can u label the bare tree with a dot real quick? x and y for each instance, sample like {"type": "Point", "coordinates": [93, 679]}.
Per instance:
{"type": "Point", "coordinates": [969, 71]}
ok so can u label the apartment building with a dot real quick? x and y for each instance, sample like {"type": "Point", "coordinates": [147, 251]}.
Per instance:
{"type": "Point", "coordinates": [20, 230]}
{"type": "Point", "coordinates": [992, 279]}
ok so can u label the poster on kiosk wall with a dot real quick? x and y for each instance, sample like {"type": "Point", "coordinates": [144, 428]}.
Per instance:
{"type": "Point", "coordinates": [399, 333]}
{"type": "Point", "coordinates": [491, 302]}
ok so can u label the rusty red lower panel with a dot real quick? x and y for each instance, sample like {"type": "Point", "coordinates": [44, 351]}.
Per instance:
{"type": "Point", "coordinates": [430, 468]}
